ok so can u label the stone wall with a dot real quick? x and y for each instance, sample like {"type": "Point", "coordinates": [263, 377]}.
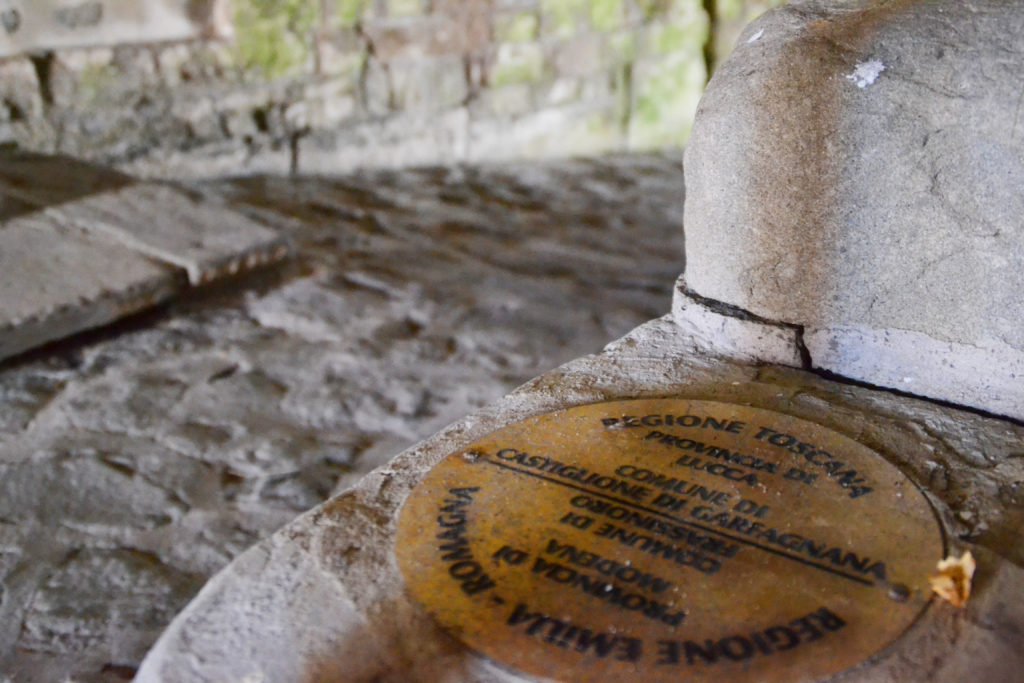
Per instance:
{"type": "Point", "coordinates": [328, 85]}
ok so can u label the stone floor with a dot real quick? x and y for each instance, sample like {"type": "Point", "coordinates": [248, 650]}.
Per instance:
{"type": "Point", "coordinates": [138, 460]}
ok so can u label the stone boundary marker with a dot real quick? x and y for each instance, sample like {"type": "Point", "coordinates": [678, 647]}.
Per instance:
{"type": "Point", "coordinates": [324, 598]}
{"type": "Point", "coordinates": [53, 24]}
{"type": "Point", "coordinates": [874, 177]}
{"type": "Point", "coordinates": [665, 538]}
{"type": "Point", "coordinates": [82, 246]}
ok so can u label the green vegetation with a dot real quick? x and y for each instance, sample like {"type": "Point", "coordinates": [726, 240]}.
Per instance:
{"type": "Point", "coordinates": [348, 12]}
{"type": "Point", "coordinates": [95, 81]}
{"type": "Point", "coordinates": [516, 28]}
{"type": "Point", "coordinates": [274, 36]}
{"type": "Point", "coordinates": [403, 8]}
{"type": "Point", "coordinates": [623, 46]}
{"type": "Point", "coordinates": [745, 10]}
{"type": "Point", "coordinates": [606, 15]}
{"type": "Point", "coordinates": [561, 17]}
{"type": "Point", "coordinates": [679, 36]}
{"type": "Point", "coordinates": [666, 100]}
{"type": "Point", "coordinates": [654, 9]}
{"type": "Point", "coordinates": [518, 63]}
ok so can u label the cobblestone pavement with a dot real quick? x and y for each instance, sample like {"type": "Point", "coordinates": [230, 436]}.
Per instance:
{"type": "Point", "coordinates": [137, 461]}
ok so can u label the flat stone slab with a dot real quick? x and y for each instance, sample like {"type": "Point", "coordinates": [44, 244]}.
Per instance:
{"type": "Point", "coordinates": [323, 599]}
{"type": "Point", "coordinates": [205, 238]}
{"type": "Point", "coordinates": [84, 245]}
{"type": "Point", "coordinates": [56, 280]}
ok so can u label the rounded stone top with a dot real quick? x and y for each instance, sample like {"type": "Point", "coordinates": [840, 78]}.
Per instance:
{"type": "Point", "coordinates": [857, 169]}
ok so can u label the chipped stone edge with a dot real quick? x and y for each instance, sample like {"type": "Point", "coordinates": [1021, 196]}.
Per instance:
{"type": "Point", "coordinates": [271, 250]}
{"type": "Point", "coordinates": [733, 333]}
{"type": "Point", "coordinates": [46, 326]}
{"type": "Point", "coordinates": [56, 323]}
{"type": "Point", "coordinates": [916, 363]}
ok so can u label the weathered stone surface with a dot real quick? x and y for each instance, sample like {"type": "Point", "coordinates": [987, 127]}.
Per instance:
{"type": "Point", "coordinates": [855, 168]}
{"type": "Point", "coordinates": [84, 245]}
{"type": "Point", "coordinates": [204, 236]}
{"type": "Point", "coordinates": [137, 462]}
{"type": "Point", "coordinates": [56, 280]}
{"type": "Point", "coordinates": [48, 180]}
{"type": "Point", "coordinates": [323, 598]}
{"type": "Point", "coordinates": [739, 336]}
{"type": "Point", "coordinates": [49, 24]}
{"type": "Point", "coordinates": [919, 364]}
{"type": "Point", "coordinates": [200, 235]}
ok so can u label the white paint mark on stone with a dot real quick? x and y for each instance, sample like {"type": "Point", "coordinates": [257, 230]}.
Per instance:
{"type": "Point", "coordinates": [755, 37]}
{"type": "Point", "coordinates": [866, 73]}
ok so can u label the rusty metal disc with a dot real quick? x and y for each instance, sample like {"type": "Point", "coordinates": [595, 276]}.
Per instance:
{"type": "Point", "coordinates": [664, 539]}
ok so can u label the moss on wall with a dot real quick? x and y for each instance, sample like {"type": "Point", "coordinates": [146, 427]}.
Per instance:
{"type": "Point", "coordinates": [516, 28]}
{"type": "Point", "coordinates": [273, 36]}
{"type": "Point", "coordinates": [606, 15]}
{"type": "Point", "coordinates": [347, 13]}
{"type": "Point", "coordinates": [563, 18]}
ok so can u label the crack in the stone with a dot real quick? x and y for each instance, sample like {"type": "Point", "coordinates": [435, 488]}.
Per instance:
{"type": "Point", "coordinates": [732, 311]}
{"type": "Point", "coordinates": [801, 347]}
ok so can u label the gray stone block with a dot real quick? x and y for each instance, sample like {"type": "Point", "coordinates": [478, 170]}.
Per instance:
{"type": "Point", "coordinates": [742, 338]}
{"type": "Point", "coordinates": [46, 24]}
{"type": "Point", "coordinates": [56, 280]}
{"type": "Point", "coordinates": [206, 239]}
{"type": "Point", "coordinates": [858, 169]}
{"type": "Point", "coordinates": [201, 235]}
{"type": "Point", "coordinates": [906, 360]}
{"type": "Point", "coordinates": [82, 245]}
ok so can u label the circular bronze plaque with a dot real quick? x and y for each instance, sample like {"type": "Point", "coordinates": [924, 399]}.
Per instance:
{"type": "Point", "coordinates": [668, 539]}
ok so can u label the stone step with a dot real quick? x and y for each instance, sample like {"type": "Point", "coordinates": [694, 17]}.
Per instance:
{"type": "Point", "coordinates": [82, 246]}
{"type": "Point", "coordinates": [56, 280]}
{"type": "Point", "coordinates": [206, 240]}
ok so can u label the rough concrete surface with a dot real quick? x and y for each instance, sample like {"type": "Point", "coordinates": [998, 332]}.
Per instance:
{"type": "Point", "coordinates": [323, 598]}
{"type": "Point", "coordinates": [855, 168]}
{"type": "Point", "coordinates": [138, 461]}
